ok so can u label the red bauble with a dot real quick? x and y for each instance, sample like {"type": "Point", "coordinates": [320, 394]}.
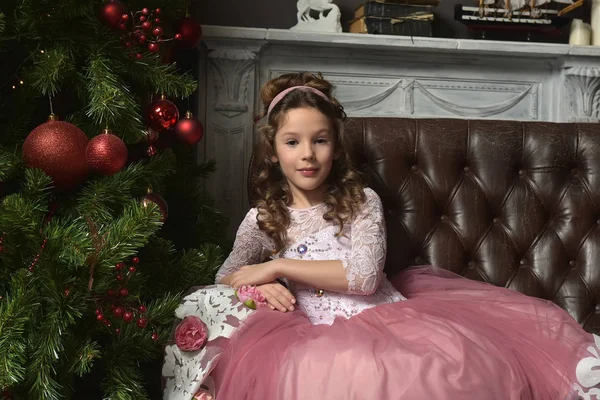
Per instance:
{"type": "Point", "coordinates": [189, 130]}
{"type": "Point", "coordinates": [190, 30]}
{"type": "Point", "coordinates": [162, 115]}
{"type": "Point", "coordinates": [112, 12]}
{"type": "Point", "coordinates": [142, 323]}
{"type": "Point", "coordinates": [127, 316]}
{"type": "Point", "coordinates": [157, 199]}
{"type": "Point", "coordinates": [58, 149]}
{"type": "Point", "coordinates": [106, 154]}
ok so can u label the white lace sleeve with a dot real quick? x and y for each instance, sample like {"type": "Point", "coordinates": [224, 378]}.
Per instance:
{"type": "Point", "coordinates": [251, 246]}
{"type": "Point", "coordinates": [364, 267]}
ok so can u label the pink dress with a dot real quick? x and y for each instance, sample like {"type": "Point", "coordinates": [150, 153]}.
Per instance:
{"type": "Point", "coordinates": [430, 334]}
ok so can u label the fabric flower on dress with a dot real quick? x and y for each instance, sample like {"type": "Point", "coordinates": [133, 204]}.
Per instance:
{"type": "Point", "coordinates": [251, 297]}
{"type": "Point", "coordinates": [191, 334]}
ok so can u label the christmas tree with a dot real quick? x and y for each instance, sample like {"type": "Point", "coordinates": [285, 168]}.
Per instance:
{"type": "Point", "coordinates": [104, 222]}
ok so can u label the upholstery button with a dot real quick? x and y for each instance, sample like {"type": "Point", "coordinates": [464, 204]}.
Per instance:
{"type": "Point", "coordinates": [471, 265]}
{"type": "Point", "coordinates": [418, 260]}
{"type": "Point", "coordinates": [597, 307]}
{"type": "Point", "coordinates": [495, 220]}
{"type": "Point", "coordinates": [598, 222]}
{"type": "Point", "coordinates": [571, 263]}
{"type": "Point", "coordinates": [521, 172]}
{"type": "Point", "coordinates": [522, 262]}
{"type": "Point", "coordinates": [444, 218]}
{"type": "Point", "coordinates": [466, 169]}
{"type": "Point", "coordinates": [574, 171]}
{"type": "Point", "coordinates": [414, 168]}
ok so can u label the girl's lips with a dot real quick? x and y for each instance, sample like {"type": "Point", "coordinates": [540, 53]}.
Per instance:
{"type": "Point", "coordinates": [308, 171]}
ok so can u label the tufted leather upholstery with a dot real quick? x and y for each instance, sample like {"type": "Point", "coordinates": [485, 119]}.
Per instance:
{"type": "Point", "coordinates": [510, 203]}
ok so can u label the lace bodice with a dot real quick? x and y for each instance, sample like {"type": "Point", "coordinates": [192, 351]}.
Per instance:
{"type": "Point", "coordinates": [361, 249]}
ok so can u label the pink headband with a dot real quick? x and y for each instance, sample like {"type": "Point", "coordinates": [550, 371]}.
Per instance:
{"type": "Point", "coordinates": [282, 94]}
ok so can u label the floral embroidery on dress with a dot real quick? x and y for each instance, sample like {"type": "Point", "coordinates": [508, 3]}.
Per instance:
{"type": "Point", "coordinates": [588, 373]}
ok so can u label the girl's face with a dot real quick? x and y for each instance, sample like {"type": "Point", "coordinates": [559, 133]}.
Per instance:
{"type": "Point", "coordinates": [305, 150]}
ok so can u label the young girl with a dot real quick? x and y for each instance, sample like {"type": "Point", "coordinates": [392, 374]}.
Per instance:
{"type": "Point", "coordinates": [315, 246]}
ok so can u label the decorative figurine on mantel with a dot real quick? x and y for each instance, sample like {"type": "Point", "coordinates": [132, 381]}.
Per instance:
{"type": "Point", "coordinates": [324, 23]}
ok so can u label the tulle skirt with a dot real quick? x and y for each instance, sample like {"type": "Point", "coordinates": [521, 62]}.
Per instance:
{"type": "Point", "coordinates": [453, 338]}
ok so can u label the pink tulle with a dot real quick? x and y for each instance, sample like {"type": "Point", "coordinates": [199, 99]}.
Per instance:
{"type": "Point", "coordinates": [453, 339]}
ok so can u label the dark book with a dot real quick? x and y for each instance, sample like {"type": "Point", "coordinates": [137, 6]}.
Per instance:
{"type": "Point", "coordinates": [389, 10]}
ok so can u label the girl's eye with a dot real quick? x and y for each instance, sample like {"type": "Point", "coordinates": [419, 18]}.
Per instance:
{"type": "Point", "coordinates": [321, 140]}
{"type": "Point", "coordinates": [291, 142]}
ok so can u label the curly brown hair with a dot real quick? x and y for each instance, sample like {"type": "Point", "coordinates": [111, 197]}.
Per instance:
{"type": "Point", "coordinates": [344, 194]}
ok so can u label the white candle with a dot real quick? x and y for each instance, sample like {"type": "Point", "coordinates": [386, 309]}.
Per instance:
{"type": "Point", "coordinates": [581, 33]}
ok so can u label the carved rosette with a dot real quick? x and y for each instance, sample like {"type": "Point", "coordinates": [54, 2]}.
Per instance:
{"type": "Point", "coordinates": [581, 85]}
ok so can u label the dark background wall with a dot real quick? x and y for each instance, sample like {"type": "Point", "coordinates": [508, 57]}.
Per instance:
{"type": "Point", "coordinates": [281, 14]}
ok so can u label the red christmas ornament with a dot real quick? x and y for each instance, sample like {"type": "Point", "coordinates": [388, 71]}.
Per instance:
{"type": "Point", "coordinates": [157, 199]}
{"type": "Point", "coordinates": [118, 312]}
{"type": "Point", "coordinates": [112, 13]}
{"type": "Point", "coordinates": [142, 323]}
{"type": "Point", "coordinates": [190, 31]}
{"type": "Point", "coordinates": [162, 115]}
{"type": "Point", "coordinates": [128, 316]}
{"type": "Point", "coordinates": [189, 130]}
{"type": "Point", "coordinates": [106, 154]}
{"type": "Point", "coordinates": [58, 149]}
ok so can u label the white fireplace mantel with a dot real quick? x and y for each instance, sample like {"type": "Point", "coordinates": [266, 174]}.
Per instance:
{"type": "Point", "coordinates": [380, 75]}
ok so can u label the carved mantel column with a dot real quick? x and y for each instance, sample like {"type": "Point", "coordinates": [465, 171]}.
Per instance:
{"type": "Point", "coordinates": [230, 94]}
{"type": "Point", "coordinates": [581, 86]}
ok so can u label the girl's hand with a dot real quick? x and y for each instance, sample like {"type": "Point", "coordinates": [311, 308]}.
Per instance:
{"type": "Point", "coordinates": [253, 275]}
{"type": "Point", "coordinates": [278, 296]}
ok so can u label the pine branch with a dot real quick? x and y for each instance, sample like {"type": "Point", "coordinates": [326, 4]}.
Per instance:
{"type": "Point", "coordinates": [16, 310]}
{"type": "Point", "coordinates": [51, 69]}
{"type": "Point", "coordinates": [2, 23]}
{"type": "Point", "coordinates": [86, 355]}
{"type": "Point", "coordinates": [74, 232]}
{"type": "Point", "coordinates": [111, 103]}
{"type": "Point", "coordinates": [9, 164]}
{"type": "Point", "coordinates": [126, 234]}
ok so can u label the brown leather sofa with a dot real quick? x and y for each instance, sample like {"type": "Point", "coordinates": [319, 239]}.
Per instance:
{"type": "Point", "coordinates": [516, 204]}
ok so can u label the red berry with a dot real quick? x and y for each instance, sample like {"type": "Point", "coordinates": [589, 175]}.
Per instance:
{"type": "Point", "coordinates": [157, 20]}
{"type": "Point", "coordinates": [125, 17]}
{"type": "Point", "coordinates": [142, 323]}
{"type": "Point", "coordinates": [145, 11]}
{"type": "Point", "coordinates": [178, 36]}
{"type": "Point", "coordinates": [119, 266]}
{"type": "Point", "coordinates": [112, 307]}
{"type": "Point", "coordinates": [135, 260]}
{"type": "Point", "coordinates": [107, 323]}
{"type": "Point", "coordinates": [142, 39]}
{"type": "Point", "coordinates": [154, 336]}
{"type": "Point", "coordinates": [124, 292]}
{"type": "Point", "coordinates": [138, 56]}
{"type": "Point", "coordinates": [119, 277]}
{"type": "Point", "coordinates": [98, 311]}
{"type": "Point", "coordinates": [153, 47]}
{"type": "Point", "coordinates": [122, 25]}
{"type": "Point", "coordinates": [132, 270]}
{"type": "Point", "coordinates": [118, 331]}
{"type": "Point", "coordinates": [118, 312]}
{"type": "Point", "coordinates": [100, 317]}
{"type": "Point", "coordinates": [157, 11]}
{"type": "Point", "coordinates": [142, 308]}
{"type": "Point", "coordinates": [158, 31]}
{"type": "Point", "coordinates": [146, 25]}
{"type": "Point", "coordinates": [110, 292]}
{"type": "Point", "coordinates": [128, 316]}
{"type": "Point", "coordinates": [128, 44]}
